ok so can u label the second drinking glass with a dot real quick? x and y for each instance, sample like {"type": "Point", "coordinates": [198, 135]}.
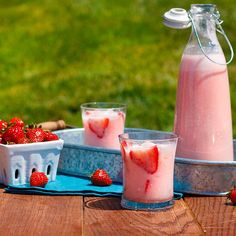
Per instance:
{"type": "Point", "coordinates": [103, 122]}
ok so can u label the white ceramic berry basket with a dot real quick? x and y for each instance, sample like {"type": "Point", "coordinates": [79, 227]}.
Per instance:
{"type": "Point", "coordinates": [18, 161]}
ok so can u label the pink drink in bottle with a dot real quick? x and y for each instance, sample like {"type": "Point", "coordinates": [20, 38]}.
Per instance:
{"type": "Point", "coordinates": [203, 111]}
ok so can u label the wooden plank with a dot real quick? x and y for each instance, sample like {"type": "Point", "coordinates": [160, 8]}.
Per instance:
{"type": "Point", "coordinates": [104, 216]}
{"type": "Point", "coordinates": [40, 215]}
{"type": "Point", "coordinates": [216, 216]}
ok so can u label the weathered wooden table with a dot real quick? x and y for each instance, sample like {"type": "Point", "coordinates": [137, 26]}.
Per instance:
{"type": "Point", "coordinates": [76, 215]}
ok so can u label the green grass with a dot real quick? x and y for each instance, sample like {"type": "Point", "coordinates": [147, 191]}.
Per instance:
{"type": "Point", "coordinates": [55, 55]}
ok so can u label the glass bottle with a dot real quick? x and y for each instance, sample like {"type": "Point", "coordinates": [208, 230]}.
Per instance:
{"type": "Point", "coordinates": [203, 111]}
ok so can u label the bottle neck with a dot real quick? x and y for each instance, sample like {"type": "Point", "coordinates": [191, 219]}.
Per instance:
{"type": "Point", "coordinates": [204, 34]}
{"type": "Point", "coordinates": [205, 19]}
{"type": "Point", "coordinates": [206, 30]}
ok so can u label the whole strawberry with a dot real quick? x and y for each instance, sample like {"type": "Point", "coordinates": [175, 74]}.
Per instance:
{"type": "Point", "coordinates": [35, 135]}
{"type": "Point", "coordinates": [12, 134]}
{"type": "Point", "coordinates": [232, 196]}
{"type": "Point", "coordinates": [49, 136]}
{"type": "Point", "coordinates": [38, 179]}
{"type": "Point", "coordinates": [101, 178]}
{"type": "Point", "coordinates": [17, 121]}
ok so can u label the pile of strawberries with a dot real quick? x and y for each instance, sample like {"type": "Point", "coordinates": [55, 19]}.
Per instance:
{"type": "Point", "coordinates": [17, 132]}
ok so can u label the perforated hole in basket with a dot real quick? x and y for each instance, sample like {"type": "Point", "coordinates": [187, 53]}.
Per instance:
{"type": "Point", "coordinates": [48, 169]}
{"type": "Point", "coordinates": [17, 174]}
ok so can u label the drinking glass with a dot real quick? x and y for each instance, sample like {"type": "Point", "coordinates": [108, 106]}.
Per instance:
{"type": "Point", "coordinates": [103, 122]}
{"type": "Point", "coordinates": [148, 169]}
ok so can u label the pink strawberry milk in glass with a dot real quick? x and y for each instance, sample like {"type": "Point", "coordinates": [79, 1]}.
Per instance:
{"type": "Point", "coordinates": [148, 169]}
{"type": "Point", "coordinates": [103, 122]}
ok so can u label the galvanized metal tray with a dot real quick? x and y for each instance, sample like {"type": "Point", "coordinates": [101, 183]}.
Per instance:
{"type": "Point", "coordinates": [191, 176]}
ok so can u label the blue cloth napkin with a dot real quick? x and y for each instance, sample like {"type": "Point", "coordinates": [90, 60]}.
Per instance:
{"type": "Point", "coordinates": [71, 185]}
{"type": "Point", "coordinates": [68, 185]}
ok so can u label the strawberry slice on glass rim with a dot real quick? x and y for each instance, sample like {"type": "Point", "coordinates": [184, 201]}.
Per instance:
{"type": "Point", "coordinates": [98, 126]}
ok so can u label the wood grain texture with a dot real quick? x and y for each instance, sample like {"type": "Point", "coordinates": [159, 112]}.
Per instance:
{"type": "Point", "coordinates": [216, 215]}
{"type": "Point", "coordinates": [104, 216]}
{"type": "Point", "coordinates": [75, 215]}
{"type": "Point", "coordinates": [40, 215]}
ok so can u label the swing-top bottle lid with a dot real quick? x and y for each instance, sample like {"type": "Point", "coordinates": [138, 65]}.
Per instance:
{"type": "Point", "coordinates": [177, 18]}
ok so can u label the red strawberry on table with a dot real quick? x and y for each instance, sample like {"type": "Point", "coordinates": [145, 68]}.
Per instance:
{"type": "Point", "coordinates": [98, 126]}
{"type": "Point", "coordinates": [145, 157]}
{"type": "Point", "coordinates": [232, 195]}
{"type": "Point", "coordinates": [38, 179]}
{"type": "Point", "coordinates": [101, 178]}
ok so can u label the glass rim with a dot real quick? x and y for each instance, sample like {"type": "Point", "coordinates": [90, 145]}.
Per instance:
{"type": "Point", "coordinates": [172, 137]}
{"type": "Point", "coordinates": [103, 105]}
